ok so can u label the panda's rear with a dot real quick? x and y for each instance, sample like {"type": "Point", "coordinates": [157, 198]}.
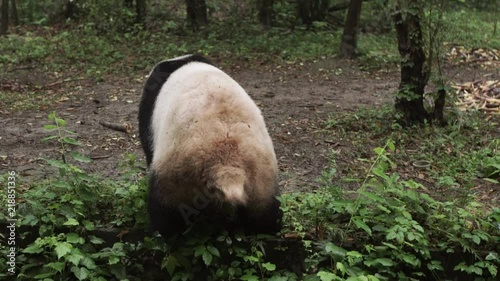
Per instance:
{"type": "Point", "coordinates": [208, 149]}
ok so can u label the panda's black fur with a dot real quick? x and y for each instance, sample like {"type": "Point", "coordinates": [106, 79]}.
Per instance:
{"type": "Point", "coordinates": [156, 79]}
{"type": "Point", "coordinates": [237, 154]}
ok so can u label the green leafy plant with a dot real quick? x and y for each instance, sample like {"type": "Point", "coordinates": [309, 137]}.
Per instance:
{"type": "Point", "coordinates": [58, 125]}
{"type": "Point", "coordinates": [489, 166]}
{"type": "Point", "coordinates": [393, 229]}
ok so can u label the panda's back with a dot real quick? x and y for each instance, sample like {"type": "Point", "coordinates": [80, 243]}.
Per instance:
{"type": "Point", "coordinates": [200, 105]}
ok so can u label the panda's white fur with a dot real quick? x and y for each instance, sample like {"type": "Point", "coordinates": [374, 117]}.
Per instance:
{"type": "Point", "coordinates": [208, 136]}
{"type": "Point", "coordinates": [198, 107]}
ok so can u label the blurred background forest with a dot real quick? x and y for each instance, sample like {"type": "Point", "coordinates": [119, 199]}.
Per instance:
{"type": "Point", "coordinates": [118, 34]}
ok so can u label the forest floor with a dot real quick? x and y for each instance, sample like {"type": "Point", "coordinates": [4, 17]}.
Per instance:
{"type": "Point", "coordinates": [296, 101]}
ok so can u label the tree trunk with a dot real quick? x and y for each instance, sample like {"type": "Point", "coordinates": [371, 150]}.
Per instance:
{"type": "Point", "coordinates": [414, 74]}
{"type": "Point", "coordinates": [312, 10]}
{"type": "Point", "coordinates": [349, 38]}
{"type": "Point", "coordinates": [439, 103]}
{"type": "Point", "coordinates": [128, 3]}
{"type": "Point", "coordinates": [4, 22]}
{"type": "Point", "coordinates": [15, 15]}
{"type": "Point", "coordinates": [197, 13]}
{"type": "Point", "coordinates": [304, 11]}
{"type": "Point", "coordinates": [265, 12]}
{"type": "Point", "coordinates": [140, 9]}
{"type": "Point", "coordinates": [69, 13]}
{"type": "Point", "coordinates": [495, 16]}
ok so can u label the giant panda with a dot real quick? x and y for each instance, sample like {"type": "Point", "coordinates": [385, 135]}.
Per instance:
{"type": "Point", "coordinates": [208, 150]}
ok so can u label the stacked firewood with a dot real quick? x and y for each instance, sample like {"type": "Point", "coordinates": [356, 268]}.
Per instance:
{"type": "Point", "coordinates": [483, 95]}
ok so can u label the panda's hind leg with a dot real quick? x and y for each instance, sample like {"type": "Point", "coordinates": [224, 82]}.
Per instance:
{"type": "Point", "coordinates": [167, 220]}
{"type": "Point", "coordinates": [267, 220]}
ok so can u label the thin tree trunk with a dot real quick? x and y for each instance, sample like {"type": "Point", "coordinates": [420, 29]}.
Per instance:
{"type": "Point", "coordinates": [265, 12]}
{"type": "Point", "coordinates": [70, 9]}
{"type": "Point", "coordinates": [128, 3]}
{"type": "Point", "coordinates": [15, 16]}
{"type": "Point", "coordinates": [197, 13]}
{"type": "Point", "coordinates": [4, 22]}
{"type": "Point", "coordinates": [495, 15]}
{"type": "Point", "coordinates": [312, 10]}
{"type": "Point", "coordinates": [439, 103]}
{"type": "Point", "coordinates": [435, 43]}
{"type": "Point", "coordinates": [140, 9]}
{"type": "Point", "coordinates": [349, 37]}
{"type": "Point", "coordinates": [414, 74]}
{"type": "Point", "coordinates": [305, 11]}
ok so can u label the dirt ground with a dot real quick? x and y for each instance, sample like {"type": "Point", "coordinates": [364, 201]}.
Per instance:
{"type": "Point", "coordinates": [295, 101]}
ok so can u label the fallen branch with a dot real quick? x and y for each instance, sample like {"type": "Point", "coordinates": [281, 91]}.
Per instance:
{"type": "Point", "coordinates": [334, 143]}
{"type": "Point", "coordinates": [123, 127]}
{"type": "Point", "coordinates": [310, 105]}
{"type": "Point", "coordinates": [62, 82]}
{"type": "Point", "coordinates": [100, 156]}
{"type": "Point", "coordinates": [27, 67]}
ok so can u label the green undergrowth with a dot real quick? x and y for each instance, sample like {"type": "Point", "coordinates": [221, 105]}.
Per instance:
{"type": "Point", "coordinates": [461, 156]}
{"type": "Point", "coordinates": [472, 29]}
{"type": "Point", "coordinates": [84, 51]}
{"type": "Point", "coordinates": [82, 226]}
{"type": "Point", "coordinates": [378, 51]}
